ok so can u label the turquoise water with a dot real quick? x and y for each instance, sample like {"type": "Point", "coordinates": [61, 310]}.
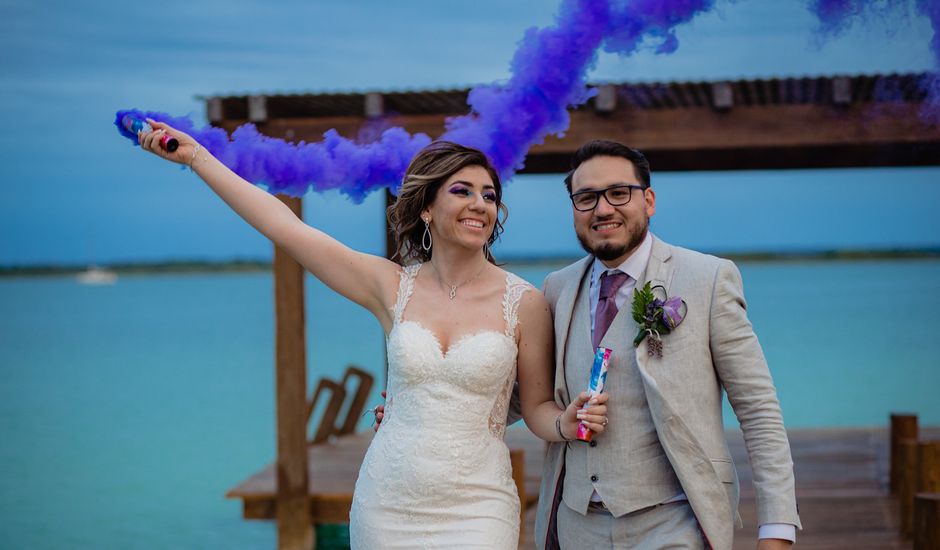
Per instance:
{"type": "Point", "coordinates": [126, 412]}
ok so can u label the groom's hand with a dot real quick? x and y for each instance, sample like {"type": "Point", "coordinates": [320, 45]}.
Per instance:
{"type": "Point", "coordinates": [379, 414]}
{"type": "Point", "coordinates": [773, 544]}
{"type": "Point", "coordinates": [592, 412]}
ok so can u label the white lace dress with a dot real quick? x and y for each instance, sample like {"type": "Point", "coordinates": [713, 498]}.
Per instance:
{"type": "Point", "coordinates": [437, 473]}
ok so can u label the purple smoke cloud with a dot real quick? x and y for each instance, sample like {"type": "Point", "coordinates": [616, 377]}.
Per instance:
{"type": "Point", "coordinates": [549, 73]}
{"type": "Point", "coordinates": [837, 15]}
{"type": "Point", "coordinates": [295, 168]}
{"type": "Point", "coordinates": [548, 76]}
{"type": "Point", "coordinates": [931, 108]}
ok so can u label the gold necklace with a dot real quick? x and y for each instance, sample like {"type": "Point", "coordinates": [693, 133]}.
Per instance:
{"type": "Point", "coordinates": [453, 288]}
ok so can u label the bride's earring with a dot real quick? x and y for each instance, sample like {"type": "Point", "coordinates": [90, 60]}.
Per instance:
{"type": "Point", "coordinates": [426, 241]}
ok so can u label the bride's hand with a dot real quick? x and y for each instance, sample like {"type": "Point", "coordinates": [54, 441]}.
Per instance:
{"type": "Point", "coordinates": [592, 412]}
{"type": "Point", "coordinates": [150, 141]}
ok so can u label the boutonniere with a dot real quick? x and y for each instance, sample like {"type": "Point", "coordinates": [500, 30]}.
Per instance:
{"type": "Point", "coordinates": [656, 316]}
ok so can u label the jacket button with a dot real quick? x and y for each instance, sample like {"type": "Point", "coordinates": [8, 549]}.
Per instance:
{"type": "Point", "coordinates": [593, 443]}
{"type": "Point", "coordinates": [594, 478]}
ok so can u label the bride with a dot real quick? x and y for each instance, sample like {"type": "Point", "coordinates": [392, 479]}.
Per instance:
{"type": "Point", "coordinates": [460, 331]}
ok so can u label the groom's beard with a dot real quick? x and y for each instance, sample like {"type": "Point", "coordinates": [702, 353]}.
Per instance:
{"type": "Point", "coordinates": [611, 251]}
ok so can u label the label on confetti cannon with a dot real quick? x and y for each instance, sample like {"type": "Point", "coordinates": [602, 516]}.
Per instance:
{"type": "Point", "coordinates": [134, 125]}
{"type": "Point", "coordinates": [596, 385]}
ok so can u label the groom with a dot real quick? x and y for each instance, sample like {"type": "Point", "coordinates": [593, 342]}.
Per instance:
{"type": "Point", "coordinates": [661, 475]}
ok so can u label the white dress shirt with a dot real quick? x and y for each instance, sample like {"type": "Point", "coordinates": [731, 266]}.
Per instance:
{"type": "Point", "coordinates": [635, 267]}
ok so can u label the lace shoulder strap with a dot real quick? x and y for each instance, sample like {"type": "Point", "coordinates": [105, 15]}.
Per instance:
{"type": "Point", "coordinates": [515, 287]}
{"type": "Point", "coordinates": [406, 286]}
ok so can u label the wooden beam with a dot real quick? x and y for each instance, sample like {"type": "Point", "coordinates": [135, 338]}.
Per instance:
{"type": "Point", "coordinates": [777, 136]}
{"type": "Point", "coordinates": [374, 105]}
{"type": "Point", "coordinates": [606, 99]}
{"type": "Point", "coordinates": [722, 96]}
{"type": "Point", "coordinates": [907, 484]}
{"type": "Point", "coordinates": [928, 466]}
{"type": "Point", "coordinates": [257, 108]}
{"type": "Point", "coordinates": [294, 531]}
{"type": "Point", "coordinates": [903, 426]}
{"type": "Point", "coordinates": [214, 110]}
{"type": "Point", "coordinates": [927, 521]}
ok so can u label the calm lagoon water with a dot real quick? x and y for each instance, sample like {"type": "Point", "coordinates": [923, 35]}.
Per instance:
{"type": "Point", "coordinates": [126, 412]}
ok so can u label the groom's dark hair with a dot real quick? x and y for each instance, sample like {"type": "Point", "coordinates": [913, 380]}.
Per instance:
{"type": "Point", "coordinates": [607, 148]}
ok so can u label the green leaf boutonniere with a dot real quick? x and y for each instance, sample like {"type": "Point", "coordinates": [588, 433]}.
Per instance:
{"type": "Point", "coordinates": [656, 316]}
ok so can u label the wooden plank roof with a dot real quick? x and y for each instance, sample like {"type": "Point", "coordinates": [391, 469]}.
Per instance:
{"type": "Point", "coordinates": [655, 95]}
{"type": "Point", "coordinates": [774, 123]}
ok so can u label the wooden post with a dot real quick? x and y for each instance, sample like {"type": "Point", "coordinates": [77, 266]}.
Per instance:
{"type": "Point", "coordinates": [927, 521]}
{"type": "Point", "coordinates": [517, 461]}
{"type": "Point", "coordinates": [907, 484]}
{"type": "Point", "coordinates": [903, 426]}
{"type": "Point", "coordinates": [928, 466]}
{"type": "Point", "coordinates": [294, 530]}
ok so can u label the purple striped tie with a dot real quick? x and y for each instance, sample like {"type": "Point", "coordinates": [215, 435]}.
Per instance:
{"type": "Point", "coordinates": [607, 303]}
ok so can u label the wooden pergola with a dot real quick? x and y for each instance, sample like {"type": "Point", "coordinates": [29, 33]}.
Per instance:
{"type": "Point", "coordinates": [821, 122]}
{"type": "Point", "coordinates": [813, 122]}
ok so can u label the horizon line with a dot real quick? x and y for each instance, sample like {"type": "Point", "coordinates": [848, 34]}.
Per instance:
{"type": "Point", "coordinates": [195, 265]}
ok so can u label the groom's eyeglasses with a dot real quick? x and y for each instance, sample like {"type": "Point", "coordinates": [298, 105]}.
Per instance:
{"type": "Point", "coordinates": [618, 195]}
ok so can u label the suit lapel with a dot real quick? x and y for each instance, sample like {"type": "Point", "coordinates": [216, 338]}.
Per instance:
{"type": "Point", "coordinates": [659, 269]}
{"type": "Point", "coordinates": [658, 273]}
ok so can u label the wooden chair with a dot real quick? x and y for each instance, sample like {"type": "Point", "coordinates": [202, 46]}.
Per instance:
{"type": "Point", "coordinates": [327, 426]}
{"type": "Point", "coordinates": [358, 403]}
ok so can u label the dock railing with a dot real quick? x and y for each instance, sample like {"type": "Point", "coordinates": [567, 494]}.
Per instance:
{"type": "Point", "coordinates": [915, 480]}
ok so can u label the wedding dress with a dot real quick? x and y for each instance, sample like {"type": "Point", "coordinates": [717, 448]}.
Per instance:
{"type": "Point", "coordinates": [437, 473]}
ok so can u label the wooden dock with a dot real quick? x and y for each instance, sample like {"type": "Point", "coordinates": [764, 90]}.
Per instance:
{"type": "Point", "coordinates": [333, 467]}
{"type": "Point", "coordinates": [841, 485]}
{"type": "Point", "coordinates": [841, 489]}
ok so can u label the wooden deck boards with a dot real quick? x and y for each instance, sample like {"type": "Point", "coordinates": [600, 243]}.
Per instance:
{"type": "Point", "coordinates": [841, 489]}
{"type": "Point", "coordinates": [841, 481]}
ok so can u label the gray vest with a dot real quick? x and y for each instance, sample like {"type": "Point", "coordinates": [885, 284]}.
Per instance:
{"type": "Point", "coordinates": [628, 466]}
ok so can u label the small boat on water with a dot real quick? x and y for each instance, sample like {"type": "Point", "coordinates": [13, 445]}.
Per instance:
{"type": "Point", "coordinates": [95, 275]}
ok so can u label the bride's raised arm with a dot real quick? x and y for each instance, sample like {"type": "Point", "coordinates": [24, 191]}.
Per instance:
{"type": "Point", "coordinates": [367, 280]}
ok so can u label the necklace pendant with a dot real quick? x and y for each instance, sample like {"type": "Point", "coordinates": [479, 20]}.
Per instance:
{"type": "Point", "coordinates": [453, 292]}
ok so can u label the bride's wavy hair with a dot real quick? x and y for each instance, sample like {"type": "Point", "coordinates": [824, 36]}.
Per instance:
{"type": "Point", "coordinates": [426, 173]}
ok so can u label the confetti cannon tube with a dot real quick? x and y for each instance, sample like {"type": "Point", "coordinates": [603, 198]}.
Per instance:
{"type": "Point", "coordinates": [133, 125]}
{"type": "Point", "coordinates": [596, 385]}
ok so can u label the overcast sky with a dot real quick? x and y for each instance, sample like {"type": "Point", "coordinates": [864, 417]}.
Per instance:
{"type": "Point", "coordinates": [73, 191]}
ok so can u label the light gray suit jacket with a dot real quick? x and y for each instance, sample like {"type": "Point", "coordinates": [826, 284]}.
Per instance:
{"type": "Point", "coordinates": [713, 349]}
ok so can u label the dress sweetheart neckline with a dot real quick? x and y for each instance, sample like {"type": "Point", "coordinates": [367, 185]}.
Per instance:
{"type": "Point", "coordinates": [457, 342]}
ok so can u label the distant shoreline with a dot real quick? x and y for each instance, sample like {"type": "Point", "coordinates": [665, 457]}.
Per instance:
{"type": "Point", "coordinates": [259, 265]}
{"type": "Point", "coordinates": [143, 268]}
